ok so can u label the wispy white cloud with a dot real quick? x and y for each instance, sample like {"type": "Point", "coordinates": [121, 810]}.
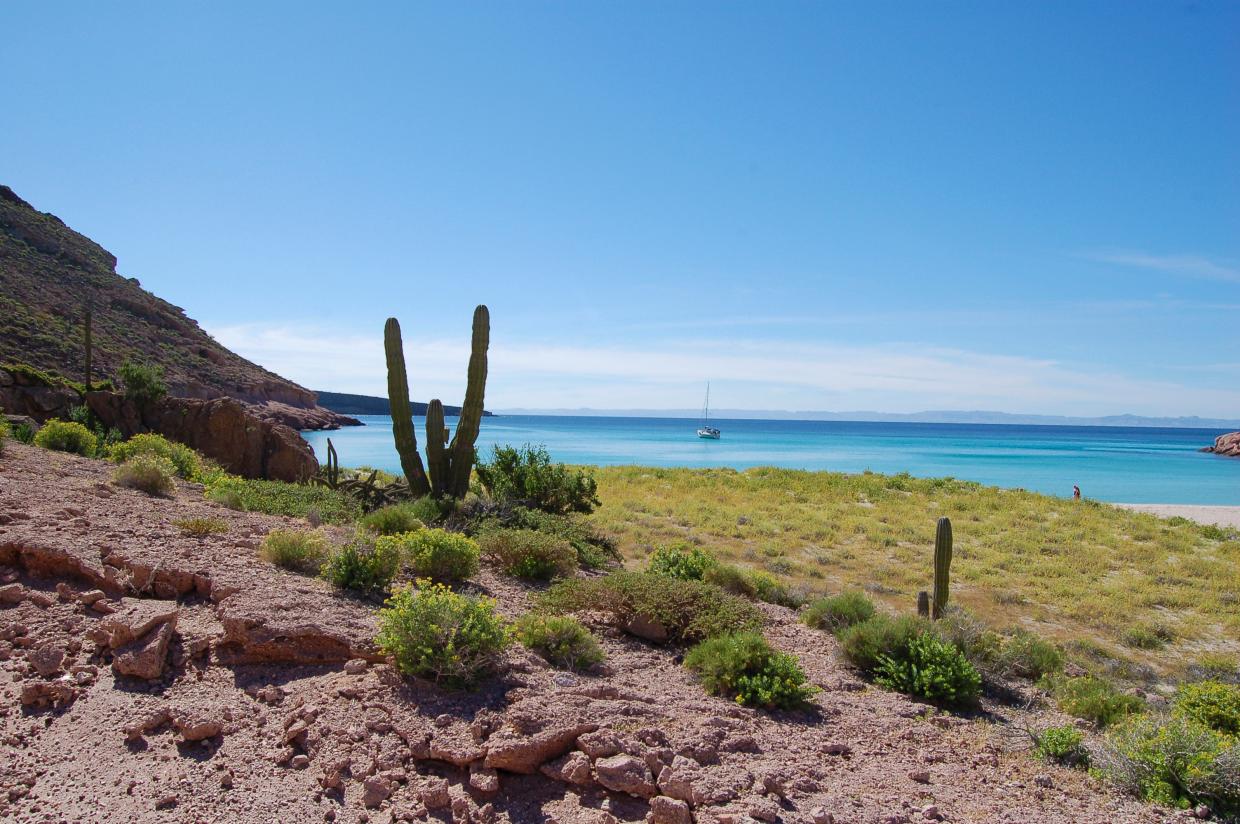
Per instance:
{"type": "Point", "coordinates": [746, 374]}
{"type": "Point", "coordinates": [1197, 266]}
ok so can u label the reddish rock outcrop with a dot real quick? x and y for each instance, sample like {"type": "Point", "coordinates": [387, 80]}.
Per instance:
{"type": "Point", "coordinates": [1228, 444]}
{"type": "Point", "coordinates": [222, 429]}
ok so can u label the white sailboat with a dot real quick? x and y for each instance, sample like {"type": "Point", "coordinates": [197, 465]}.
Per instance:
{"type": "Point", "coordinates": [706, 430]}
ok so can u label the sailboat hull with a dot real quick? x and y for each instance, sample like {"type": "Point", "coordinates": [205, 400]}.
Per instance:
{"type": "Point", "coordinates": [709, 432]}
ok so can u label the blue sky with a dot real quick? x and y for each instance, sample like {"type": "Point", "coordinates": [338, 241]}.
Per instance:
{"type": "Point", "coordinates": [892, 206]}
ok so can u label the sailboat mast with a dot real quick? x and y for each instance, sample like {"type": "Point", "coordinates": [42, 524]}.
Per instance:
{"type": "Point", "coordinates": [706, 409]}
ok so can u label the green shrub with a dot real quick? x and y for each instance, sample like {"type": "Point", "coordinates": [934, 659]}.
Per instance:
{"type": "Point", "coordinates": [771, 590]}
{"type": "Point", "coordinates": [187, 462]}
{"type": "Point", "coordinates": [1212, 704]}
{"type": "Point", "coordinates": [839, 611]}
{"type": "Point", "coordinates": [1062, 745]}
{"type": "Point", "coordinates": [24, 433]}
{"type": "Point", "coordinates": [434, 633]}
{"type": "Point", "coordinates": [4, 433]}
{"type": "Point", "coordinates": [931, 668]}
{"type": "Point", "coordinates": [526, 476]}
{"type": "Point", "coordinates": [1093, 699]}
{"type": "Point", "coordinates": [281, 498]}
{"type": "Point", "coordinates": [67, 436]}
{"type": "Point", "coordinates": [681, 560]}
{"type": "Point", "coordinates": [365, 564]}
{"type": "Point", "coordinates": [393, 520]}
{"type": "Point", "coordinates": [1147, 637]}
{"type": "Point", "coordinates": [428, 510]}
{"type": "Point", "coordinates": [560, 639]}
{"type": "Point", "coordinates": [436, 553]}
{"type": "Point", "coordinates": [144, 383]}
{"type": "Point", "coordinates": [201, 527]}
{"type": "Point", "coordinates": [688, 611]}
{"type": "Point", "coordinates": [294, 549]}
{"type": "Point", "coordinates": [526, 553]}
{"type": "Point", "coordinates": [866, 644]}
{"type": "Point", "coordinates": [1026, 655]}
{"type": "Point", "coordinates": [745, 668]}
{"type": "Point", "coordinates": [594, 550]}
{"type": "Point", "coordinates": [1174, 761]}
{"type": "Point", "coordinates": [152, 474]}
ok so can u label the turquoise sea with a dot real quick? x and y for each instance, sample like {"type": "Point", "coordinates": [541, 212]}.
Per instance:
{"type": "Point", "coordinates": [1130, 465]}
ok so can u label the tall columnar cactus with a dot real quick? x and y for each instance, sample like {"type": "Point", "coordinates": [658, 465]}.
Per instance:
{"type": "Point", "coordinates": [402, 415]}
{"type": "Point", "coordinates": [462, 448]}
{"type": "Point", "coordinates": [332, 470]}
{"type": "Point", "coordinates": [450, 465]}
{"type": "Point", "coordinates": [942, 565]}
{"type": "Point", "coordinates": [437, 458]}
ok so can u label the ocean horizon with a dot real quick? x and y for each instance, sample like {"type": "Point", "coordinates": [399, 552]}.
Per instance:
{"type": "Point", "coordinates": [1110, 463]}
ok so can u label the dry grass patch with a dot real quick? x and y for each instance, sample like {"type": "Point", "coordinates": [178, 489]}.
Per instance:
{"type": "Point", "coordinates": [1068, 569]}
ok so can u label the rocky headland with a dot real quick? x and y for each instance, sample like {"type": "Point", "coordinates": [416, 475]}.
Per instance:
{"type": "Point", "coordinates": [50, 275]}
{"type": "Point", "coordinates": [151, 675]}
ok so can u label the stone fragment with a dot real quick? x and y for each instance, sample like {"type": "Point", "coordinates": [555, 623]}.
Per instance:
{"type": "Point", "coordinates": [146, 657]}
{"type": "Point", "coordinates": [626, 774]}
{"type": "Point", "coordinates": [46, 660]}
{"type": "Point", "coordinates": [666, 810]}
{"type": "Point", "coordinates": [600, 744]}
{"type": "Point", "coordinates": [435, 794]}
{"type": "Point", "coordinates": [375, 791]}
{"type": "Point", "coordinates": [135, 618]}
{"type": "Point", "coordinates": [821, 816]}
{"type": "Point", "coordinates": [484, 780]}
{"type": "Point", "coordinates": [527, 754]}
{"type": "Point", "coordinates": [920, 776]}
{"type": "Point", "coordinates": [573, 768]}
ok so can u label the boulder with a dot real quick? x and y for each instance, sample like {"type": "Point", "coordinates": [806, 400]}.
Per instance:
{"type": "Point", "coordinates": [223, 429]}
{"type": "Point", "coordinates": [664, 810]}
{"type": "Point", "coordinates": [135, 618]}
{"type": "Point", "coordinates": [146, 657]}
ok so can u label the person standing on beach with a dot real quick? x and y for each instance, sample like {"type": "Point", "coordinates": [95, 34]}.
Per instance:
{"type": "Point", "coordinates": [1076, 492]}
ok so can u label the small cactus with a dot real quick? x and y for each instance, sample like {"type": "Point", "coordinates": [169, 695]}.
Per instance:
{"type": "Point", "coordinates": [942, 566]}
{"type": "Point", "coordinates": [923, 604]}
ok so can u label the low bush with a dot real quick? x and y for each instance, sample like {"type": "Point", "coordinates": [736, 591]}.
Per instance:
{"type": "Point", "coordinates": [527, 476]}
{"type": "Point", "coordinates": [201, 527]}
{"type": "Point", "coordinates": [365, 564]}
{"type": "Point", "coordinates": [428, 510]}
{"type": "Point", "coordinates": [1174, 761]}
{"type": "Point", "coordinates": [1062, 745]}
{"type": "Point", "coordinates": [560, 639]}
{"type": "Point", "coordinates": [754, 584]}
{"type": "Point", "coordinates": [931, 668]}
{"type": "Point", "coordinates": [839, 611]}
{"type": "Point", "coordinates": [187, 462]}
{"type": "Point", "coordinates": [745, 668]}
{"type": "Point", "coordinates": [686, 611]}
{"type": "Point", "coordinates": [294, 549]}
{"type": "Point", "coordinates": [281, 498]}
{"type": "Point", "coordinates": [1212, 704]}
{"type": "Point", "coordinates": [24, 433]}
{"type": "Point", "coordinates": [1026, 655]}
{"type": "Point", "coordinates": [67, 436]}
{"type": "Point", "coordinates": [436, 553]}
{"type": "Point", "coordinates": [393, 520]}
{"type": "Point", "coordinates": [152, 474]}
{"type": "Point", "coordinates": [1139, 636]}
{"type": "Point", "coordinates": [1093, 699]}
{"type": "Point", "coordinates": [681, 560]}
{"type": "Point", "coordinates": [434, 633]}
{"type": "Point", "coordinates": [143, 382]}
{"type": "Point", "coordinates": [526, 553]}
{"type": "Point", "coordinates": [866, 644]}
{"type": "Point", "coordinates": [595, 550]}
{"type": "Point", "coordinates": [4, 433]}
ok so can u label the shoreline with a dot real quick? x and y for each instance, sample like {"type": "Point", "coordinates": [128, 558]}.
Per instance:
{"type": "Point", "coordinates": [1212, 515]}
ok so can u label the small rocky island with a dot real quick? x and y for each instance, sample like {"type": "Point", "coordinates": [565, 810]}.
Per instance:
{"type": "Point", "coordinates": [1228, 444]}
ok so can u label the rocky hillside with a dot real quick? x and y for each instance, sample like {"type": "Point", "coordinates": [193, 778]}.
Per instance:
{"type": "Point", "coordinates": [149, 675]}
{"type": "Point", "coordinates": [1228, 444]}
{"type": "Point", "coordinates": [48, 275]}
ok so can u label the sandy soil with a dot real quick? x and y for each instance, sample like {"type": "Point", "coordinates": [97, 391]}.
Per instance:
{"type": "Point", "coordinates": [1216, 515]}
{"type": "Point", "coordinates": [147, 675]}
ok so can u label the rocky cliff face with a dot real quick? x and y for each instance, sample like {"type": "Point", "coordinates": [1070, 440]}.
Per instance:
{"type": "Point", "coordinates": [50, 273]}
{"type": "Point", "coordinates": [1228, 444]}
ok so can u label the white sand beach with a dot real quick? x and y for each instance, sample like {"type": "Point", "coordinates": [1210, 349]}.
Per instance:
{"type": "Point", "coordinates": [1217, 515]}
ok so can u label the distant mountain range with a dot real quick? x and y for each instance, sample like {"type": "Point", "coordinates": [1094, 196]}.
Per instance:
{"type": "Point", "coordinates": [936, 416]}
{"type": "Point", "coordinates": [347, 404]}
